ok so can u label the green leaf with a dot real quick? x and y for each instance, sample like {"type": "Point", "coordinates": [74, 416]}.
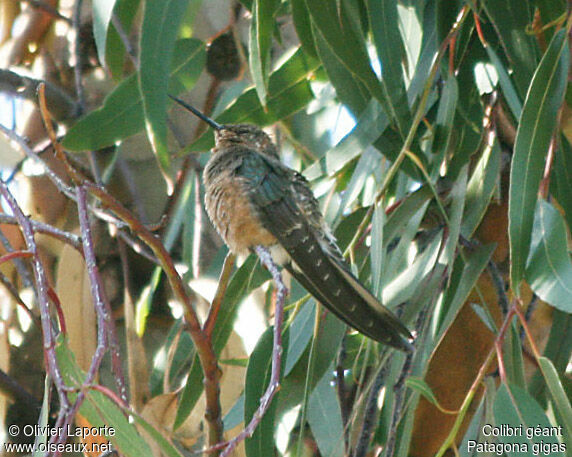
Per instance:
{"type": "Point", "coordinates": [481, 188]}
{"type": "Point", "coordinates": [261, 29]}
{"type": "Point", "coordinates": [345, 41]}
{"type": "Point", "coordinates": [166, 447]}
{"type": "Point", "coordinates": [288, 92]}
{"type": "Point", "coordinates": [533, 137]}
{"type": "Point", "coordinates": [444, 124]}
{"type": "Point", "coordinates": [161, 21]}
{"type": "Point", "coordinates": [300, 334]}
{"type": "Point", "coordinates": [247, 278]}
{"type": "Point", "coordinates": [561, 185]}
{"type": "Point", "coordinates": [515, 408]}
{"type": "Point", "coordinates": [511, 19]}
{"type": "Point", "coordinates": [126, 11]}
{"type": "Point", "coordinates": [400, 216]}
{"type": "Point", "coordinates": [560, 398]}
{"type": "Point", "coordinates": [99, 410]}
{"type": "Point", "coordinates": [330, 334]}
{"type": "Point", "coordinates": [324, 404]}
{"type": "Point", "coordinates": [303, 25]}
{"type": "Point", "coordinates": [122, 112]}
{"type": "Point", "coordinates": [508, 90]}
{"type": "Point", "coordinates": [368, 128]}
{"type": "Point", "coordinates": [549, 270]}
{"type": "Point", "coordinates": [350, 90]}
{"type": "Point", "coordinates": [458, 194]}
{"type": "Point", "coordinates": [102, 11]}
{"type": "Point", "coordinates": [476, 262]}
{"type": "Point", "coordinates": [257, 379]}
{"type": "Point", "coordinates": [402, 288]}
{"type": "Point", "coordinates": [419, 385]}
{"type": "Point", "coordinates": [384, 24]}
{"type": "Point", "coordinates": [42, 438]}
{"type": "Point", "coordinates": [377, 252]}
{"type": "Point", "coordinates": [368, 163]}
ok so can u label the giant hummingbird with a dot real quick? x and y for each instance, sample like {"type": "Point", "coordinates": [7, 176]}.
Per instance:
{"type": "Point", "coordinates": [254, 200]}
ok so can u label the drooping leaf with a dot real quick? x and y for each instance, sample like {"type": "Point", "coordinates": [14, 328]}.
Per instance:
{"type": "Point", "coordinates": [511, 19]}
{"type": "Point", "coordinates": [161, 21]}
{"type": "Point", "coordinates": [481, 188]}
{"type": "Point", "coordinates": [384, 24]}
{"type": "Point", "coordinates": [560, 399]}
{"type": "Point", "coordinates": [126, 11]}
{"type": "Point", "coordinates": [549, 270]}
{"type": "Point", "coordinates": [533, 137]}
{"type": "Point", "coordinates": [248, 277]}
{"type": "Point", "coordinates": [102, 11]}
{"type": "Point", "coordinates": [288, 92]}
{"type": "Point", "coordinates": [258, 375]}
{"type": "Point", "coordinates": [122, 112]}
{"type": "Point", "coordinates": [515, 408]}
{"type": "Point", "coordinates": [323, 404]}
{"type": "Point", "coordinates": [303, 25]}
{"type": "Point", "coordinates": [99, 410]}
{"type": "Point", "coordinates": [261, 29]}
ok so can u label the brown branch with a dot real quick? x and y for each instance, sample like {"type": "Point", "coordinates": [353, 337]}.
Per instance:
{"type": "Point", "coordinates": [203, 344]}
{"type": "Point", "coordinates": [41, 288]}
{"type": "Point", "coordinates": [221, 289]}
{"type": "Point", "coordinates": [63, 106]}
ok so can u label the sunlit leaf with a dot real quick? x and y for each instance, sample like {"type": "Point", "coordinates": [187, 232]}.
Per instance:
{"type": "Point", "coordinates": [161, 22]}
{"type": "Point", "coordinates": [102, 10]}
{"type": "Point", "coordinates": [261, 29]}
{"type": "Point", "coordinates": [122, 112]}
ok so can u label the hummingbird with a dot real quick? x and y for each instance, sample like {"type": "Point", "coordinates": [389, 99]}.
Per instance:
{"type": "Point", "coordinates": [254, 200]}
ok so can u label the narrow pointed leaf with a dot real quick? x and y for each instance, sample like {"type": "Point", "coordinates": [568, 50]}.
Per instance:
{"type": "Point", "coordinates": [102, 11]}
{"type": "Point", "coordinates": [533, 136]}
{"type": "Point", "coordinates": [323, 404]}
{"type": "Point", "coordinates": [560, 398]}
{"type": "Point", "coordinates": [122, 112]}
{"type": "Point", "coordinates": [384, 23]}
{"type": "Point", "coordinates": [257, 379]}
{"type": "Point", "coordinates": [161, 22]}
{"type": "Point", "coordinates": [261, 29]}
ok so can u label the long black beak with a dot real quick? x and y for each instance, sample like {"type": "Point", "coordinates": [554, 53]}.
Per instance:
{"type": "Point", "coordinates": [215, 125]}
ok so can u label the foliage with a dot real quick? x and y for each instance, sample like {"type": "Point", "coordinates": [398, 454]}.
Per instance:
{"type": "Point", "coordinates": [448, 189]}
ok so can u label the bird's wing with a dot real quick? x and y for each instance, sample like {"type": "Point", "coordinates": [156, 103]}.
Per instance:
{"type": "Point", "coordinates": [287, 208]}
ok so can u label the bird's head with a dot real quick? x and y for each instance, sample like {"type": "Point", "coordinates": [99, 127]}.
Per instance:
{"type": "Point", "coordinates": [246, 135]}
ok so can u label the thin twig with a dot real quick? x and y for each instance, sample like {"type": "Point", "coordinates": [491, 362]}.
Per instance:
{"type": "Point", "coordinates": [274, 383]}
{"type": "Point", "coordinates": [40, 227]}
{"type": "Point", "coordinates": [47, 8]}
{"type": "Point", "coordinates": [63, 106]}
{"type": "Point", "coordinates": [370, 412]}
{"type": "Point", "coordinates": [41, 288]}
{"type": "Point", "coordinates": [129, 48]}
{"type": "Point", "coordinates": [219, 295]}
{"type": "Point", "coordinates": [21, 267]}
{"type": "Point", "coordinates": [76, 25]}
{"type": "Point", "coordinates": [13, 390]}
{"type": "Point", "coordinates": [448, 442]}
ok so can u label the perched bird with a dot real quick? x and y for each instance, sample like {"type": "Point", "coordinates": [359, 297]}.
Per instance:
{"type": "Point", "coordinates": [255, 200]}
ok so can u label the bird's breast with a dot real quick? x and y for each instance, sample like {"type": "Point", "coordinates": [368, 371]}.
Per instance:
{"type": "Point", "coordinates": [232, 213]}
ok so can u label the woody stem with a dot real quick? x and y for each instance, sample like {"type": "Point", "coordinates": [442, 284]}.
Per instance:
{"type": "Point", "coordinates": [266, 399]}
